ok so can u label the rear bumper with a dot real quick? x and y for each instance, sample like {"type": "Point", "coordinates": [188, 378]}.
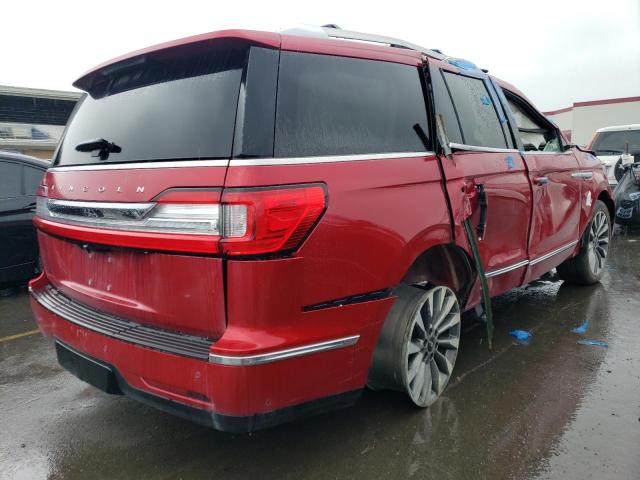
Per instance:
{"type": "Point", "coordinates": [107, 378]}
{"type": "Point", "coordinates": [242, 390]}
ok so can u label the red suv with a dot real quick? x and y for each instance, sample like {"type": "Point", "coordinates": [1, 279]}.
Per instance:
{"type": "Point", "coordinates": [244, 227]}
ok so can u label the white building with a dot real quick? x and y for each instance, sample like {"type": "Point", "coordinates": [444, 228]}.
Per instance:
{"type": "Point", "coordinates": [580, 121]}
{"type": "Point", "coordinates": [32, 119]}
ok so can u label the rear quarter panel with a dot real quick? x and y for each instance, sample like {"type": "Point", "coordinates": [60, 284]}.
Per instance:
{"type": "Point", "coordinates": [381, 215]}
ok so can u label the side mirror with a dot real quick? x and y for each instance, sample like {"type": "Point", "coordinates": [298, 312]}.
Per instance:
{"type": "Point", "coordinates": [569, 146]}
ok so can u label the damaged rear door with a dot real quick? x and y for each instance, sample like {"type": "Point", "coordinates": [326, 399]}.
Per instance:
{"type": "Point", "coordinates": [484, 172]}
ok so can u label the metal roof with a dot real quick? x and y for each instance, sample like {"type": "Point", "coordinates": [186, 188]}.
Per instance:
{"type": "Point", "coordinates": [39, 93]}
{"type": "Point", "coordinates": [620, 128]}
{"type": "Point", "coordinates": [334, 32]}
{"type": "Point", "coordinates": [38, 162]}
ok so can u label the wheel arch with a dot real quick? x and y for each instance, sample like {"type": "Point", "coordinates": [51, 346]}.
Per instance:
{"type": "Point", "coordinates": [605, 198]}
{"type": "Point", "coordinates": [443, 265]}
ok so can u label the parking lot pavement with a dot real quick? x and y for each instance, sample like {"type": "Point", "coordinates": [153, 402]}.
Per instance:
{"type": "Point", "coordinates": [550, 409]}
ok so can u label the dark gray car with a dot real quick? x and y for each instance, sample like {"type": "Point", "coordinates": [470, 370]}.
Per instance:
{"type": "Point", "coordinates": [20, 176]}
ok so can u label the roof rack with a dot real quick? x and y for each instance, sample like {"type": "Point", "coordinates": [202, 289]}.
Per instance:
{"type": "Point", "coordinates": [334, 32]}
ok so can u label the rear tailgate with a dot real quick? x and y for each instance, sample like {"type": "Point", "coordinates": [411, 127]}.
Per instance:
{"type": "Point", "coordinates": [174, 290]}
{"type": "Point", "coordinates": [129, 219]}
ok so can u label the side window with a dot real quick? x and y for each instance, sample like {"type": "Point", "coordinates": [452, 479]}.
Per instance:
{"type": "Point", "coordinates": [10, 179]}
{"type": "Point", "coordinates": [535, 134]}
{"type": "Point", "coordinates": [31, 179]}
{"type": "Point", "coordinates": [444, 107]}
{"type": "Point", "coordinates": [476, 111]}
{"type": "Point", "coordinates": [329, 105]}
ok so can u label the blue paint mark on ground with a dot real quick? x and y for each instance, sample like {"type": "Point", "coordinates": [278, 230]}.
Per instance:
{"type": "Point", "coordinates": [582, 328]}
{"type": "Point", "coordinates": [594, 343]}
{"type": "Point", "coordinates": [521, 336]}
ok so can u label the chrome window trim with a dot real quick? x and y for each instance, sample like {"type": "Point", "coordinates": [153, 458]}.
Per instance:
{"type": "Point", "coordinates": [283, 354]}
{"type": "Point", "coordinates": [535, 152]}
{"type": "Point", "coordinates": [546, 256]}
{"type": "Point", "coordinates": [475, 148]}
{"type": "Point", "coordinates": [246, 162]}
{"type": "Point", "coordinates": [507, 269]}
{"type": "Point", "coordinates": [138, 165]}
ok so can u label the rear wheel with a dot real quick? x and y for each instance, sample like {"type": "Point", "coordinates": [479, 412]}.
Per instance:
{"type": "Point", "coordinates": [588, 266]}
{"type": "Point", "coordinates": [418, 345]}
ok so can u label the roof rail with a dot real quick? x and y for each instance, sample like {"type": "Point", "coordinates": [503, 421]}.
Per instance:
{"type": "Point", "coordinates": [334, 32]}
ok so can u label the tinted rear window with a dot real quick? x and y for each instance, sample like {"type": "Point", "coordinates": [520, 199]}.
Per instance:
{"type": "Point", "coordinates": [10, 179]}
{"type": "Point", "coordinates": [612, 143]}
{"type": "Point", "coordinates": [172, 104]}
{"type": "Point", "coordinates": [476, 112]}
{"type": "Point", "coordinates": [31, 180]}
{"type": "Point", "coordinates": [444, 107]}
{"type": "Point", "coordinates": [330, 105]}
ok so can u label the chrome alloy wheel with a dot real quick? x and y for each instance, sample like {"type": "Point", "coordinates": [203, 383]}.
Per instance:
{"type": "Point", "coordinates": [432, 346]}
{"type": "Point", "coordinates": [598, 242]}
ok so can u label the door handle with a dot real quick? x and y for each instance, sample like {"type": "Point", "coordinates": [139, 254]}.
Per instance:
{"type": "Point", "coordinates": [583, 175]}
{"type": "Point", "coordinates": [541, 180]}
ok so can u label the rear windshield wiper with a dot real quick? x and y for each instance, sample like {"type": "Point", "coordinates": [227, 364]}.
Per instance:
{"type": "Point", "coordinates": [103, 146]}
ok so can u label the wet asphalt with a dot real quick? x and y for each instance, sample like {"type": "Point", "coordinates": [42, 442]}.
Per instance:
{"type": "Point", "coordinates": [550, 409]}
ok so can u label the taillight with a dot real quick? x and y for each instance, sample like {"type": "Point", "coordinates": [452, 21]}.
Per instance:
{"type": "Point", "coordinates": [269, 220]}
{"type": "Point", "coordinates": [241, 222]}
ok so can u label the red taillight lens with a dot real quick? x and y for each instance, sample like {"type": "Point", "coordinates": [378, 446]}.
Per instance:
{"type": "Point", "coordinates": [241, 222]}
{"type": "Point", "coordinates": [276, 219]}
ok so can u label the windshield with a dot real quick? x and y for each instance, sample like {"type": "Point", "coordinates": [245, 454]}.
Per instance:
{"type": "Point", "coordinates": [171, 104]}
{"type": "Point", "coordinates": [612, 143]}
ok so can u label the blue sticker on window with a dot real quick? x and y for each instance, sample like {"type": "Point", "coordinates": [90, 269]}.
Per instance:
{"type": "Point", "coordinates": [462, 64]}
{"type": "Point", "coordinates": [485, 100]}
{"type": "Point", "coordinates": [510, 163]}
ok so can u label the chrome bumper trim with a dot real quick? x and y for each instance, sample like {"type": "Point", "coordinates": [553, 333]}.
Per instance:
{"type": "Point", "coordinates": [283, 354]}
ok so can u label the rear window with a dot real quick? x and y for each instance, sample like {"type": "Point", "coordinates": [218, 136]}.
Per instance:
{"type": "Point", "coordinates": [329, 105]}
{"type": "Point", "coordinates": [173, 104]}
{"type": "Point", "coordinates": [476, 111]}
{"type": "Point", "coordinates": [31, 180]}
{"type": "Point", "coordinates": [613, 143]}
{"type": "Point", "coordinates": [10, 179]}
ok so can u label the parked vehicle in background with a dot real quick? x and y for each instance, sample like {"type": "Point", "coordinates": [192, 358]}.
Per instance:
{"type": "Point", "coordinates": [615, 147]}
{"type": "Point", "coordinates": [245, 227]}
{"type": "Point", "coordinates": [20, 177]}
{"type": "Point", "coordinates": [627, 196]}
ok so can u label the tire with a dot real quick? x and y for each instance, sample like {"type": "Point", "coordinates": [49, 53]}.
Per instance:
{"type": "Point", "coordinates": [418, 345]}
{"type": "Point", "coordinates": [587, 267]}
